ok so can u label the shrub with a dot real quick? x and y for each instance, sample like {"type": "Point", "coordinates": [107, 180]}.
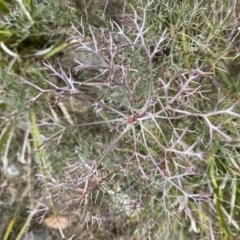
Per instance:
{"type": "Point", "coordinates": [158, 88]}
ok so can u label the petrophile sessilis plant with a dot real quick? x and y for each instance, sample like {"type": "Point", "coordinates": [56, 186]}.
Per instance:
{"type": "Point", "coordinates": [155, 84]}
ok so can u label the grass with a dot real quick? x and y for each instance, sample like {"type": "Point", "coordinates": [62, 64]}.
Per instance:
{"type": "Point", "coordinates": [125, 129]}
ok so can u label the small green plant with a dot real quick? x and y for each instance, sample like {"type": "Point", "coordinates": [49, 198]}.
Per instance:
{"type": "Point", "coordinates": [166, 114]}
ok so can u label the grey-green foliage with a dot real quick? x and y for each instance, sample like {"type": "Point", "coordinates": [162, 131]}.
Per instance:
{"type": "Point", "coordinates": [26, 32]}
{"type": "Point", "coordinates": [161, 86]}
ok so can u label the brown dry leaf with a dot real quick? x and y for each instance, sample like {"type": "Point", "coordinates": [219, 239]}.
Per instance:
{"type": "Point", "coordinates": [57, 221]}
